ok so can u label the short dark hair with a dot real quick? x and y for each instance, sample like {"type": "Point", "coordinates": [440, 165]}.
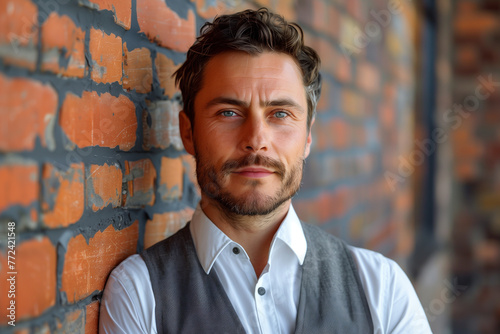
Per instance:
{"type": "Point", "coordinates": [253, 32]}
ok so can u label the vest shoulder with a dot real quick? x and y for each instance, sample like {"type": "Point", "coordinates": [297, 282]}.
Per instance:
{"type": "Point", "coordinates": [320, 236]}
{"type": "Point", "coordinates": [176, 240]}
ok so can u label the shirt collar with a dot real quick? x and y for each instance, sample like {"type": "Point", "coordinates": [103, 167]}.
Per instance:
{"type": "Point", "coordinates": [210, 241]}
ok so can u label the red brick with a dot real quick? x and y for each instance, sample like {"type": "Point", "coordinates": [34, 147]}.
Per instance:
{"type": "Point", "coordinates": [343, 68]}
{"type": "Point", "coordinates": [487, 252]}
{"type": "Point", "coordinates": [27, 110]}
{"type": "Point", "coordinates": [466, 170]}
{"type": "Point", "coordinates": [319, 11]}
{"type": "Point", "coordinates": [92, 318]}
{"type": "Point", "coordinates": [189, 165]}
{"type": "Point", "coordinates": [122, 9]}
{"type": "Point", "coordinates": [368, 77]}
{"type": "Point", "coordinates": [352, 103]}
{"type": "Point", "coordinates": [60, 33]}
{"type": "Point", "coordinates": [466, 7]}
{"type": "Point", "coordinates": [170, 186]}
{"type": "Point", "coordinates": [474, 25]}
{"type": "Point", "coordinates": [283, 7]}
{"type": "Point", "coordinates": [163, 26]}
{"type": "Point", "coordinates": [332, 27]}
{"type": "Point", "coordinates": [19, 184]}
{"type": "Point", "coordinates": [209, 9]}
{"type": "Point", "coordinates": [63, 195]}
{"type": "Point", "coordinates": [339, 132]}
{"type": "Point", "coordinates": [324, 101]}
{"type": "Point", "coordinates": [165, 224]}
{"type": "Point", "coordinates": [325, 50]}
{"type": "Point", "coordinates": [19, 33]}
{"type": "Point", "coordinates": [107, 57]}
{"type": "Point", "coordinates": [164, 129]}
{"type": "Point", "coordinates": [86, 269]}
{"type": "Point", "coordinates": [165, 67]}
{"type": "Point", "coordinates": [140, 176]}
{"type": "Point", "coordinates": [35, 262]}
{"type": "Point", "coordinates": [387, 116]}
{"type": "Point", "coordinates": [405, 240]}
{"type": "Point", "coordinates": [99, 120]}
{"type": "Point", "coordinates": [104, 186]}
{"type": "Point", "coordinates": [138, 70]}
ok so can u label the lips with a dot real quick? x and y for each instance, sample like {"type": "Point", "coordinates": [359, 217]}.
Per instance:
{"type": "Point", "coordinates": [254, 166]}
{"type": "Point", "coordinates": [256, 172]}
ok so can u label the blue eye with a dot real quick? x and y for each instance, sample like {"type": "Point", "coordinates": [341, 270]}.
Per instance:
{"type": "Point", "coordinates": [280, 114]}
{"type": "Point", "coordinates": [228, 113]}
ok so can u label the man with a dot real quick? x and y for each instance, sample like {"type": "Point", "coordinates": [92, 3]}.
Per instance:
{"type": "Point", "coordinates": [245, 263]}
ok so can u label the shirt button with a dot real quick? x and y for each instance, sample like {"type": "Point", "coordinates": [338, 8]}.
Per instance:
{"type": "Point", "coordinates": [261, 291]}
{"type": "Point", "coordinates": [236, 250]}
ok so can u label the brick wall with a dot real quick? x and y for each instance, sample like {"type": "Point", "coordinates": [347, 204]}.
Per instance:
{"type": "Point", "coordinates": [92, 168]}
{"type": "Point", "coordinates": [357, 180]}
{"type": "Point", "coordinates": [475, 229]}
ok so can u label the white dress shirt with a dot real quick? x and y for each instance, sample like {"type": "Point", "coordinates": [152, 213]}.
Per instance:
{"type": "Point", "coordinates": [265, 304]}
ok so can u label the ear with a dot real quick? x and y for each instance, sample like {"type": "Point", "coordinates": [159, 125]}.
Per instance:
{"type": "Point", "coordinates": [309, 140]}
{"type": "Point", "coordinates": [186, 132]}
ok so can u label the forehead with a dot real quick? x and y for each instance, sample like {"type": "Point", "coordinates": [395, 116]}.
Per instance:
{"type": "Point", "coordinates": [239, 73]}
{"type": "Point", "coordinates": [262, 65]}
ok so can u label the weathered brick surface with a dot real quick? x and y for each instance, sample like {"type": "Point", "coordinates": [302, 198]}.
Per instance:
{"type": "Point", "coordinates": [62, 39]}
{"type": "Point", "coordinates": [140, 179]}
{"type": "Point", "coordinates": [92, 318]}
{"type": "Point", "coordinates": [161, 125]}
{"type": "Point", "coordinates": [165, 67]}
{"type": "Point", "coordinates": [19, 184]}
{"type": "Point", "coordinates": [171, 174]}
{"type": "Point", "coordinates": [35, 281]}
{"type": "Point", "coordinates": [138, 70]}
{"type": "Point", "coordinates": [19, 33]}
{"type": "Point", "coordinates": [99, 120]}
{"type": "Point", "coordinates": [122, 9]}
{"type": "Point", "coordinates": [164, 26]}
{"type": "Point", "coordinates": [189, 166]}
{"type": "Point", "coordinates": [27, 110]}
{"type": "Point", "coordinates": [107, 56]}
{"type": "Point", "coordinates": [73, 322]}
{"type": "Point", "coordinates": [85, 267]}
{"type": "Point", "coordinates": [104, 186]}
{"type": "Point", "coordinates": [63, 197]}
{"type": "Point", "coordinates": [164, 225]}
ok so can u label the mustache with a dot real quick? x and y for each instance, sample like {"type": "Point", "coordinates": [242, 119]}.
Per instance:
{"type": "Point", "coordinates": [254, 160]}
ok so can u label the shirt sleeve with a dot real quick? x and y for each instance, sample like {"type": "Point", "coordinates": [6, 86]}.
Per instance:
{"type": "Point", "coordinates": [394, 304]}
{"type": "Point", "coordinates": [128, 304]}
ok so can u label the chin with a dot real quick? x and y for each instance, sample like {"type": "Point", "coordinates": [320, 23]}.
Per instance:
{"type": "Point", "coordinates": [250, 204]}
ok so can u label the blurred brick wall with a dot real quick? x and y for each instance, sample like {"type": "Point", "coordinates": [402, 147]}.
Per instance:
{"type": "Point", "coordinates": [475, 231]}
{"type": "Point", "coordinates": [92, 168]}
{"type": "Point", "coordinates": [357, 181]}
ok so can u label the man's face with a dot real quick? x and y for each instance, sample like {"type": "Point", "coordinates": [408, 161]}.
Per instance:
{"type": "Point", "coordinates": [250, 135]}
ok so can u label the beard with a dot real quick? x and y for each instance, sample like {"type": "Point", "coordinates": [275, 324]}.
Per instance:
{"type": "Point", "coordinates": [253, 203]}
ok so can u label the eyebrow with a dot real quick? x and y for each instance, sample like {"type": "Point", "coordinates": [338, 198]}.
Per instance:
{"type": "Point", "coordinates": [239, 103]}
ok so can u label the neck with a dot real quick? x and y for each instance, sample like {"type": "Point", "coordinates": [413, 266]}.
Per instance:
{"type": "Point", "coordinates": [253, 233]}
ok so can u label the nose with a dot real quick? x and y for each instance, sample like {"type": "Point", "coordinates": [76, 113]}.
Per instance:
{"type": "Point", "coordinates": [255, 135]}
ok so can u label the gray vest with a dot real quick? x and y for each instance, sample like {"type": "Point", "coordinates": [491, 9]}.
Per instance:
{"type": "Point", "coordinates": [188, 300]}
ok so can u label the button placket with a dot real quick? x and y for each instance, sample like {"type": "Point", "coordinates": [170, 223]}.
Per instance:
{"type": "Point", "coordinates": [266, 311]}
